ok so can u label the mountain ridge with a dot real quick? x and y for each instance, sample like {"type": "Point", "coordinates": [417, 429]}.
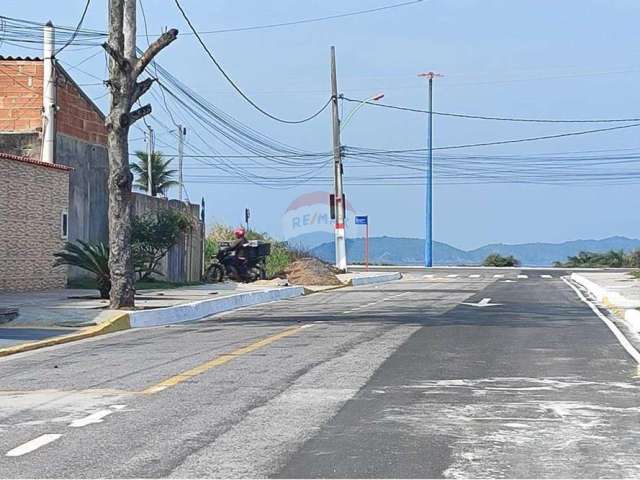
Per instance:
{"type": "Point", "coordinates": [410, 251]}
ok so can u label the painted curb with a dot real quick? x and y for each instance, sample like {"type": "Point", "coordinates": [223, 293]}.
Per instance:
{"type": "Point", "coordinates": [371, 279]}
{"type": "Point", "coordinates": [114, 322]}
{"type": "Point", "coordinates": [204, 308]}
{"type": "Point", "coordinates": [621, 306]}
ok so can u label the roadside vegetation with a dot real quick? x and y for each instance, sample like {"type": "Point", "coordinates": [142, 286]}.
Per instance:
{"type": "Point", "coordinates": [497, 260]}
{"type": "Point", "coordinates": [162, 177]}
{"type": "Point", "coordinates": [610, 259]}
{"type": "Point", "coordinates": [281, 257]}
{"type": "Point", "coordinates": [153, 236]}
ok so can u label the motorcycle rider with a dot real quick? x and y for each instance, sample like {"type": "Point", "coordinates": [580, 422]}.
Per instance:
{"type": "Point", "coordinates": [237, 246]}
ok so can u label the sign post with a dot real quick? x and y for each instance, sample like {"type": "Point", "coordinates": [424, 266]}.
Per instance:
{"type": "Point", "coordinates": [364, 220]}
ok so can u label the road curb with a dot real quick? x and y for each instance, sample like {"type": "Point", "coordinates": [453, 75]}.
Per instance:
{"type": "Point", "coordinates": [621, 306]}
{"type": "Point", "coordinates": [371, 279]}
{"type": "Point", "coordinates": [204, 308]}
{"type": "Point", "coordinates": [114, 322]}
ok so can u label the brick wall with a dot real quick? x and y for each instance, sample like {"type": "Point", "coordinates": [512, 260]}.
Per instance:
{"type": "Point", "coordinates": [21, 85]}
{"type": "Point", "coordinates": [78, 117]}
{"type": "Point", "coordinates": [21, 95]}
{"type": "Point", "coordinates": [32, 199]}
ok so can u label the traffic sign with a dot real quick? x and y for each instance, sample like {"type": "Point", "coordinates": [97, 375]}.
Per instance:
{"type": "Point", "coordinates": [362, 220]}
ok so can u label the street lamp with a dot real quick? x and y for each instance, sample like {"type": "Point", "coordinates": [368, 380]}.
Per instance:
{"type": "Point", "coordinates": [428, 241]}
{"type": "Point", "coordinates": [339, 204]}
{"type": "Point", "coordinates": [375, 98]}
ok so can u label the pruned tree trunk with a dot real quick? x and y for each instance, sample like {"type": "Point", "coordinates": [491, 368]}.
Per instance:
{"type": "Point", "coordinates": [124, 69]}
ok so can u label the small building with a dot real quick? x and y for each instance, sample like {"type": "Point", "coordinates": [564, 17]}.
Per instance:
{"type": "Point", "coordinates": [34, 202]}
{"type": "Point", "coordinates": [75, 147]}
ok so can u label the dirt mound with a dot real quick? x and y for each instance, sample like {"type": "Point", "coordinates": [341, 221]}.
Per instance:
{"type": "Point", "coordinates": [311, 271]}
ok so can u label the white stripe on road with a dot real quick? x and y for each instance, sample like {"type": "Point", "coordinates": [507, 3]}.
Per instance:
{"type": "Point", "coordinates": [523, 276]}
{"type": "Point", "coordinates": [474, 276]}
{"type": "Point", "coordinates": [619, 335]}
{"type": "Point", "coordinates": [371, 304]}
{"type": "Point", "coordinates": [429, 275]}
{"type": "Point", "coordinates": [546, 276]}
{"type": "Point", "coordinates": [453, 275]}
{"type": "Point", "coordinates": [34, 444]}
{"type": "Point", "coordinates": [498, 275]}
{"type": "Point", "coordinates": [95, 417]}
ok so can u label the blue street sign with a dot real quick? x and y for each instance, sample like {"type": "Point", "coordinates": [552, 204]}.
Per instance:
{"type": "Point", "coordinates": [362, 220]}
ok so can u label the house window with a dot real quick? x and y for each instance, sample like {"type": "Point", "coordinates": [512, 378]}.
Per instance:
{"type": "Point", "coordinates": [64, 225]}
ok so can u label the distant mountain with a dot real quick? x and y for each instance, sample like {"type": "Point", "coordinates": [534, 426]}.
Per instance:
{"type": "Point", "coordinates": [410, 251]}
{"type": "Point", "coordinates": [310, 240]}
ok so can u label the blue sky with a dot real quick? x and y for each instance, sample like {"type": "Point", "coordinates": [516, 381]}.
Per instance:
{"type": "Point", "coordinates": [529, 58]}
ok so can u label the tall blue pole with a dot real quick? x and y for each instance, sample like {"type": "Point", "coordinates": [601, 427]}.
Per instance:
{"type": "Point", "coordinates": [428, 244]}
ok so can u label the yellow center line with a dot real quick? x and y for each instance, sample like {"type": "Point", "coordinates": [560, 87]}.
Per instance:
{"type": "Point", "coordinates": [220, 360]}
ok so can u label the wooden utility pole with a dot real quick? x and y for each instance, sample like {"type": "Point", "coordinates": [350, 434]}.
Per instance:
{"type": "Point", "coordinates": [124, 69]}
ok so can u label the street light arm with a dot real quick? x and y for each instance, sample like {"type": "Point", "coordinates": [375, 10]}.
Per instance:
{"type": "Point", "coordinates": [375, 98]}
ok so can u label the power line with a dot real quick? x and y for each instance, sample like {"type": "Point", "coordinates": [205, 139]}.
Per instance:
{"type": "Point", "coordinates": [519, 140]}
{"type": "Point", "coordinates": [236, 87]}
{"type": "Point", "coordinates": [75, 33]}
{"type": "Point", "coordinates": [310, 20]}
{"type": "Point", "coordinates": [502, 119]}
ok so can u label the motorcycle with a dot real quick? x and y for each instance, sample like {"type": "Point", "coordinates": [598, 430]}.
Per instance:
{"type": "Point", "coordinates": [246, 264]}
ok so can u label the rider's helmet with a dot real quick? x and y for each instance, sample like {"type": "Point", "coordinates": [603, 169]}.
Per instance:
{"type": "Point", "coordinates": [239, 232]}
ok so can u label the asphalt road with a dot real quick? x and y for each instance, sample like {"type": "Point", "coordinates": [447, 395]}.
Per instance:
{"type": "Point", "coordinates": [407, 379]}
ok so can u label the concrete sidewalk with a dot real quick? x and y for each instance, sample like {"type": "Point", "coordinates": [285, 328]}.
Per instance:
{"type": "Point", "coordinates": [75, 307]}
{"type": "Point", "coordinates": [618, 291]}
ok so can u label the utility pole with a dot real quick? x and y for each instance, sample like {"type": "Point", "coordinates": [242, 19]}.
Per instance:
{"type": "Point", "coordinates": [125, 67]}
{"type": "Point", "coordinates": [428, 243]}
{"type": "Point", "coordinates": [149, 162]}
{"type": "Point", "coordinates": [181, 133]}
{"type": "Point", "coordinates": [49, 96]}
{"type": "Point", "coordinates": [341, 249]}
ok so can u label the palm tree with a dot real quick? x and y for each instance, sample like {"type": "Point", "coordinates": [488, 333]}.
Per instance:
{"type": "Point", "coordinates": [162, 179]}
{"type": "Point", "coordinates": [93, 257]}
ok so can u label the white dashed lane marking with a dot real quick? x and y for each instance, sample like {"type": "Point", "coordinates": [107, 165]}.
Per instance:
{"type": "Point", "coordinates": [34, 444]}
{"type": "Point", "coordinates": [474, 276]}
{"type": "Point", "coordinates": [453, 275]}
{"type": "Point", "coordinates": [498, 275]}
{"type": "Point", "coordinates": [523, 276]}
{"type": "Point", "coordinates": [546, 276]}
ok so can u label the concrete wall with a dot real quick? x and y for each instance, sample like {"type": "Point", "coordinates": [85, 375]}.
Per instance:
{"type": "Point", "coordinates": [33, 197]}
{"type": "Point", "coordinates": [88, 195]}
{"type": "Point", "coordinates": [21, 144]}
{"type": "Point", "coordinates": [183, 263]}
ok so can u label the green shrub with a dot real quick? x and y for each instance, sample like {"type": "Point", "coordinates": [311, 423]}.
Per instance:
{"type": "Point", "coordinates": [154, 234]}
{"type": "Point", "coordinates": [92, 257]}
{"type": "Point", "coordinates": [610, 259]}
{"type": "Point", "coordinates": [497, 260]}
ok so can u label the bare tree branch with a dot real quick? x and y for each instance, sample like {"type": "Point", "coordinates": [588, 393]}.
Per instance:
{"type": "Point", "coordinates": [141, 88]}
{"type": "Point", "coordinates": [156, 47]}
{"type": "Point", "coordinates": [116, 56]}
{"type": "Point", "coordinates": [136, 115]}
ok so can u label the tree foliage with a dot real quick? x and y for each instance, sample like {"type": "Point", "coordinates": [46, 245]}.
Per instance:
{"type": "Point", "coordinates": [497, 260]}
{"type": "Point", "coordinates": [154, 234]}
{"type": "Point", "coordinates": [92, 257]}
{"type": "Point", "coordinates": [162, 177]}
{"type": "Point", "coordinates": [610, 259]}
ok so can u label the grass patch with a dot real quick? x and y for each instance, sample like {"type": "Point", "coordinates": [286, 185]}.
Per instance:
{"type": "Point", "coordinates": [635, 274]}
